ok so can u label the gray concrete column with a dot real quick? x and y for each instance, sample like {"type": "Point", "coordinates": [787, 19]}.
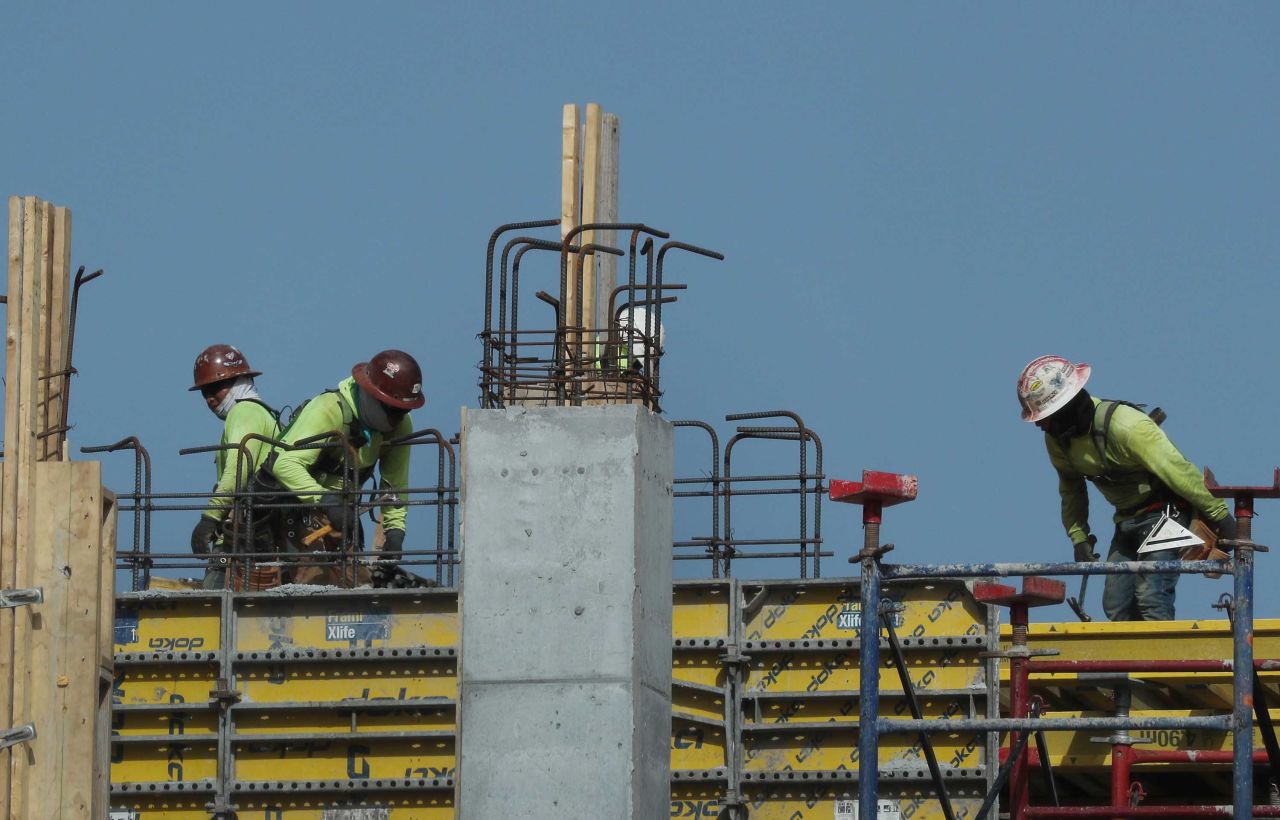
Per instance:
{"type": "Point", "coordinates": [565, 668]}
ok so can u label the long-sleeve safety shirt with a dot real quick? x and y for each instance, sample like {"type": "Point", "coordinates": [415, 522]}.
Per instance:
{"type": "Point", "coordinates": [1136, 450]}
{"type": "Point", "coordinates": [244, 418]}
{"type": "Point", "coordinates": [310, 473]}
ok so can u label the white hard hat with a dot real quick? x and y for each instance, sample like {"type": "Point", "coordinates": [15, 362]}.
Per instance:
{"type": "Point", "coordinates": [632, 325]}
{"type": "Point", "coordinates": [1047, 384]}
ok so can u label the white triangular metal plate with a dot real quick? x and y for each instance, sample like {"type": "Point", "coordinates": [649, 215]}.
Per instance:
{"type": "Point", "coordinates": [1168, 534]}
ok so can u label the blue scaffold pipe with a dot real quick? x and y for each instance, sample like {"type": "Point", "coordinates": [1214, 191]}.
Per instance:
{"type": "Point", "coordinates": [890, 726]}
{"type": "Point", "coordinates": [897, 572]}
{"type": "Point", "coordinates": [1242, 687]}
{"type": "Point", "coordinates": [869, 689]}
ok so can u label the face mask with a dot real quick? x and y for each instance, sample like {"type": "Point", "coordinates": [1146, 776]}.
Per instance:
{"type": "Point", "coordinates": [242, 388]}
{"type": "Point", "coordinates": [372, 413]}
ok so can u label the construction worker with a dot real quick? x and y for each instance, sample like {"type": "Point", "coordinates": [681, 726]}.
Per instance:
{"type": "Point", "coordinates": [366, 410]}
{"type": "Point", "coordinates": [224, 379]}
{"type": "Point", "coordinates": [1136, 468]}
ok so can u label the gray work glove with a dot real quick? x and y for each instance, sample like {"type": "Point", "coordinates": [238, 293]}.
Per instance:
{"type": "Point", "coordinates": [204, 534]}
{"type": "Point", "coordinates": [337, 511]}
{"type": "Point", "coordinates": [1084, 551]}
{"type": "Point", "coordinates": [385, 571]}
{"type": "Point", "coordinates": [1226, 528]}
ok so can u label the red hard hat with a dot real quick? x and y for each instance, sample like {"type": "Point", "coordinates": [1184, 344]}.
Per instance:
{"type": "Point", "coordinates": [218, 363]}
{"type": "Point", "coordinates": [393, 378]}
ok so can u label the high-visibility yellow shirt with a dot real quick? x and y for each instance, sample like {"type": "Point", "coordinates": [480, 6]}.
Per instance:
{"type": "Point", "coordinates": [1136, 450]}
{"type": "Point", "coordinates": [245, 417]}
{"type": "Point", "coordinates": [298, 472]}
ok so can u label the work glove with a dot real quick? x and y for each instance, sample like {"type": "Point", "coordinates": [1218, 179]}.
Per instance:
{"type": "Point", "coordinates": [205, 532]}
{"type": "Point", "coordinates": [1226, 528]}
{"type": "Point", "coordinates": [384, 574]}
{"type": "Point", "coordinates": [392, 543]}
{"type": "Point", "coordinates": [1084, 551]}
{"type": "Point", "coordinates": [337, 511]}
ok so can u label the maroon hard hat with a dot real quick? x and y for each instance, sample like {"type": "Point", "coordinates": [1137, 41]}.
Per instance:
{"type": "Point", "coordinates": [393, 378]}
{"type": "Point", "coordinates": [218, 363]}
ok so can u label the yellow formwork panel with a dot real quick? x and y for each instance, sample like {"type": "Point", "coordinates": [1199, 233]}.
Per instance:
{"type": "Point", "coordinates": [819, 802]}
{"type": "Point", "coordinates": [696, 745]}
{"type": "Point", "coordinates": [335, 720]}
{"type": "Point", "coordinates": [831, 609]}
{"type": "Point", "coordinates": [700, 610]}
{"type": "Point", "coordinates": [1148, 640]}
{"type": "Point", "coordinates": [276, 622]}
{"type": "Point", "coordinates": [822, 750]}
{"type": "Point", "coordinates": [697, 702]}
{"type": "Point", "coordinates": [419, 806]}
{"type": "Point", "coordinates": [177, 623]}
{"type": "Point", "coordinates": [394, 680]}
{"type": "Point", "coordinates": [166, 683]}
{"type": "Point", "coordinates": [796, 671]}
{"type": "Point", "coordinates": [703, 668]}
{"type": "Point", "coordinates": [319, 758]}
{"type": "Point", "coordinates": [432, 806]}
{"type": "Point", "coordinates": [179, 760]}
{"type": "Point", "coordinates": [176, 724]}
{"type": "Point", "coordinates": [188, 807]}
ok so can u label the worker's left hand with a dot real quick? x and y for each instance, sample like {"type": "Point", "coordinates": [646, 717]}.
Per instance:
{"type": "Point", "coordinates": [1226, 528]}
{"type": "Point", "coordinates": [393, 542]}
{"type": "Point", "coordinates": [206, 530]}
{"type": "Point", "coordinates": [1084, 551]}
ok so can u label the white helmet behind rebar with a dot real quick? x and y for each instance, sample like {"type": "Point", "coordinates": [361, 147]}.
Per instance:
{"type": "Point", "coordinates": [631, 330]}
{"type": "Point", "coordinates": [1047, 384]}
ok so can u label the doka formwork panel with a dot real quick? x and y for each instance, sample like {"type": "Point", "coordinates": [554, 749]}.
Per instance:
{"type": "Point", "coordinates": [566, 607]}
{"type": "Point", "coordinates": [298, 695]}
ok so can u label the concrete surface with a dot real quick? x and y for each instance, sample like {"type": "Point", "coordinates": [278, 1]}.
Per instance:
{"type": "Point", "coordinates": [565, 662]}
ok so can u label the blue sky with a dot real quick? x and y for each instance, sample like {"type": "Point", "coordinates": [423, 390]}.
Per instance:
{"type": "Point", "coordinates": [914, 201]}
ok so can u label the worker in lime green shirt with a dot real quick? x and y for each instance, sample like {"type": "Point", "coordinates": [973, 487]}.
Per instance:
{"type": "Point", "coordinates": [1136, 468]}
{"type": "Point", "coordinates": [224, 379]}
{"type": "Point", "coordinates": [368, 409]}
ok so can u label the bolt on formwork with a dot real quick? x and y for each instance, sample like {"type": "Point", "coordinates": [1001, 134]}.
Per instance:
{"type": "Point", "coordinates": [1026, 720]}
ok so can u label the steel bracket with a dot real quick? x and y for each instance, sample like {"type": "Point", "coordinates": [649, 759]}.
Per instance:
{"type": "Point", "coordinates": [223, 694]}
{"type": "Point", "coordinates": [16, 735]}
{"type": "Point", "coordinates": [10, 598]}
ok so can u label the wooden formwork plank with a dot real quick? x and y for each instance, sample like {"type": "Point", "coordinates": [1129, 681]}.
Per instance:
{"type": "Point", "coordinates": [44, 287]}
{"type": "Point", "coordinates": [106, 654]}
{"type": "Point", "coordinates": [607, 211]}
{"type": "Point", "coordinates": [8, 498]}
{"type": "Point", "coordinates": [64, 658]}
{"type": "Point", "coordinates": [24, 449]}
{"type": "Point", "coordinates": [570, 201]}
{"type": "Point", "coordinates": [590, 202]}
{"type": "Point", "coordinates": [57, 317]}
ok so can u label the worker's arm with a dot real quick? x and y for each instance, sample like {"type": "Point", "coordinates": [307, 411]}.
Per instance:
{"type": "Point", "coordinates": [393, 464]}
{"type": "Point", "coordinates": [1073, 491]}
{"type": "Point", "coordinates": [1143, 442]}
{"type": "Point", "coordinates": [244, 418]}
{"type": "Point", "coordinates": [323, 414]}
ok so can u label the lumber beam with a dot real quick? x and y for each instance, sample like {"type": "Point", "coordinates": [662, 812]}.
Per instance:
{"type": "Point", "coordinates": [606, 210]}
{"type": "Point", "coordinates": [590, 201]}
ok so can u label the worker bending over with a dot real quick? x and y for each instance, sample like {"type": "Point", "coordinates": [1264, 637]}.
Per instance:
{"type": "Point", "coordinates": [366, 410]}
{"type": "Point", "coordinates": [223, 377]}
{"type": "Point", "coordinates": [1135, 467]}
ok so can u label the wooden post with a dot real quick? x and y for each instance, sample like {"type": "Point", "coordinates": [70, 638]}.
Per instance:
{"type": "Point", "coordinates": [35, 345]}
{"type": "Point", "coordinates": [570, 213]}
{"type": "Point", "coordinates": [590, 202]}
{"type": "Point", "coordinates": [23, 447]}
{"type": "Point", "coordinates": [106, 655]}
{"type": "Point", "coordinates": [9, 498]}
{"type": "Point", "coordinates": [64, 662]}
{"type": "Point", "coordinates": [59, 324]}
{"type": "Point", "coordinates": [606, 210]}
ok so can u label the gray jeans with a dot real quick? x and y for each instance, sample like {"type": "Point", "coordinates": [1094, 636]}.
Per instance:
{"type": "Point", "coordinates": [1141, 597]}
